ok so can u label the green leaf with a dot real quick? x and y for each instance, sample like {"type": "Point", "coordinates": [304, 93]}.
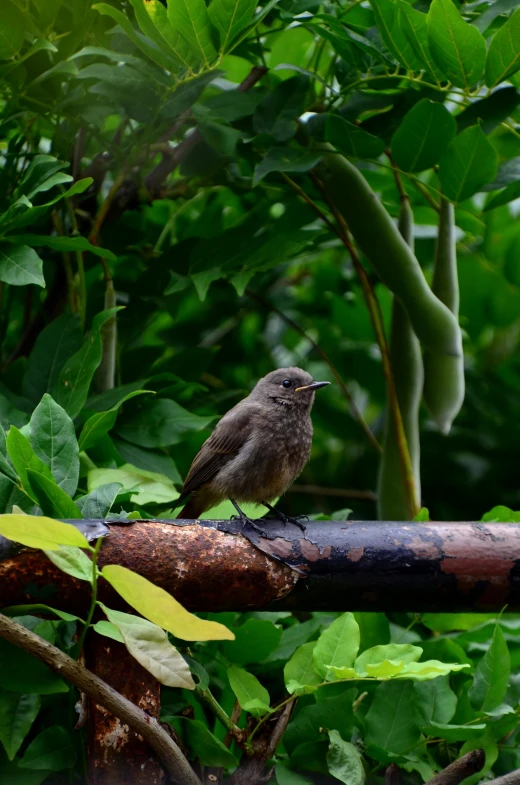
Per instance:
{"type": "Point", "coordinates": [503, 57]}
{"type": "Point", "coordinates": [58, 341]}
{"type": "Point", "coordinates": [299, 674]}
{"type": "Point", "coordinates": [430, 669]}
{"type": "Point", "coordinates": [12, 30]}
{"type": "Point", "coordinates": [203, 745]}
{"type": "Point", "coordinates": [191, 19]}
{"type": "Point", "coordinates": [402, 652]}
{"type": "Point", "coordinates": [277, 113]}
{"type": "Point", "coordinates": [161, 608]}
{"type": "Point", "coordinates": [17, 714]}
{"type": "Point", "coordinates": [150, 646]}
{"type": "Point", "coordinates": [36, 531]}
{"type": "Point", "coordinates": [285, 159]}
{"type": "Point", "coordinates": [24, 458]}
{"type": "Point", "coordinates": [38, 607]}
{"type": "Point", "coordinates": [286, 776]}
{"type": "Point", "coordinates": [5, 467]}
{"type": "Point", "coordinates": [73, 383]}
{"type": "Point", "coordinates": [390, 723]}
{"type": "Point", "coordinates": [146, 487]}
{"type": "Point", "coordinates": [453, 732]}
{"type": "Point", "coordinates": [254, 642]}
{"type": "Point", "coordinates": [53, 749]}
{"type": "Point", "coordinates": [50, 497]}
{"type": "Point", "coordinates": [98, 503]}
{"type": "Point", "coordinates": [40, 174]}
{"type": "Point", "coordinates": [149, 48]}
{"type": "Point", "coordinates": [153, 461]}
{"type": "Point", "coordinates": [153, 20]}
{"type": "Point", "coordinates": [20, 265]}
{"type": "Point", "coordinates": [248, 691]}
{"type": "Point", "coordinates": [457, 47]}
{"type": "Point", "coordinates": [72, 561]}
{"type": "Point", "coordinates": [230, 17]}
{"type": "Point", "coordinates": [349, 139]}
{"type": "Point", "coordinates": [469, 163]}
{"type": "Point", "coordinates": [62, 244]}
{"type": "Point", "coordinates": [433, 701]}
{"type": "Point", "coordinates": [491, 674]}
{"type": "Point", "coordinates": [335, 712]}
{"type": "Point", "coordinates": [109, 630]}
{"type": "Point", "coordinates": [159, 423]}
{"type": "Point", "coordinates": [423, 136]}
{"type": "Point", "coordinates": [504, 197]}
{"type": "Point", "coordinates": [422, 515]}
{"type": "Point", "coordinates": [19, 672]}
{"type": "Point", "coordinates": [501, 514]}
{"type": "Point", "coordinates": [102, 422]}
{"type": "Point", "coordinates": [337, 645]}
{"type": "Point", "coordinates": [53, 439]}
{"type": "Point", "coordinates": [387, 17]}
{"type": "Point", "coordinates": [415, 27]}
{"type": "Point", "coordinates": [344, 761]}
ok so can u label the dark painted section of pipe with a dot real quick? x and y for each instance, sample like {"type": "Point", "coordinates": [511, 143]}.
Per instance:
{"type": "Point", "coordinates": [333, 565]}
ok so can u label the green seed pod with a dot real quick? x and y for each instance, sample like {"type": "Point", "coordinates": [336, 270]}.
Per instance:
{"type": "Point", "coordinates": [444, 376]}
{"type": "Point", "coordinates": [394, 262]}
{"type": "Point", "coordinates": [407, 367]}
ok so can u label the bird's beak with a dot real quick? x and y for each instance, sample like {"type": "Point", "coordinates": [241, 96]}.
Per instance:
{"type": "Point", "coordinates": [313, 386]}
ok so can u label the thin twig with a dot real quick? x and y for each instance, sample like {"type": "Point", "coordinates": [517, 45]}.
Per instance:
{"type": "Point", "coordinates": [355, 411]}
{"type": "Point", "coordinates": [97, 690]}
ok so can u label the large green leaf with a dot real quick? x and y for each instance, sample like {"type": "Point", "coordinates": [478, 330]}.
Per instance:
{"type": "Point", "coordinates": [191, 19]}
{"type": "Point", "coordinates": [12, 30]}
{"type": "Point", "coordinates": [415, 27]}
{"type": "Point", "coordinates": [469, 163]}
{"type": "Point", "coordinates": [423, 136]}
{"type": "Point", "coordinates": [349, 139]}
{"type": "Point", "coordinates": [277, 113]}
{"type": "Point", "coordinates": [390, 723]}
{"type": "Point", "coordinates": [53, 439]}
{"type": "Point", "coordinates": [153, 20]}
{"type": "Point", "coordinates": [338, 645]}
{"type": "Point", "coordinates": [56, 343]}
{"type": "Point", "coordinates": [285, 159]}
{"type": "Point", "coordinates": [492, 674]}
{"type": "Point", "coordinates": [334, 712]}
{"type": "Point", "coordinates": [150, 646]}
{"type": "Point", "coordinates": [24, 458]}
{"type": "Point", "coordinates": [72, 561]}
{"type": "Point", "coordinates": [159, 423]}
{"type": "Point", "coordinates": [20, 265]}
{"type": "Point", "coordinates": [50, 497]}
{"type": "Point", "coordinates": [21, 673]}
{"type": "Point", "coordinates": [250, 694]}
{"type": "Point", "coordinates": [102, 422]}
{"type": "Point", "coordinates": [230, 17]}
{"type": "Point", "coordinates": [98, 503]}
{"type": "Point", "coordinates": [203, 744]}
{"type": "Point", "coordinates": [457, 47]}
{"type": "Point", "coordinates": [17, 714]}
{"type": "Point", "coordinates": [433, 701]}
{"type": "Point", "coordinates": [145, 487]}
{"type": "Point", "coordinates": [61, 244]}
{"type": "Point", "coordinates": [54, 749]}
{"type": "Point", "coordinates": [503, 57]}
{"type": "Point", "coordinates": [299, 673]}
{"type": "Point", "coordinates": [73, 383]}
{"type": "Point", "coordinates": [387, 17]}
{"type": "Point", "coordinates": [344, 761]}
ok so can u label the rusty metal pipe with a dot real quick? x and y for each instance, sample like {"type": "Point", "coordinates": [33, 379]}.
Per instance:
{"type": "Point", "coordinates": [334, 565]}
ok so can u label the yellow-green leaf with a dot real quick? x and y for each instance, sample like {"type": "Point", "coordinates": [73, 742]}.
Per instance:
{"type": "Point", "coordinates": [37, 531]}
{"type": "Point", "coordinates": [161, 608]}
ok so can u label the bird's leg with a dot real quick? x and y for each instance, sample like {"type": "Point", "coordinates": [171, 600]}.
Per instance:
{"type": "Point", "coordinates": [286, 518]}
{"type": "Point", "coordinates": [244, 519]}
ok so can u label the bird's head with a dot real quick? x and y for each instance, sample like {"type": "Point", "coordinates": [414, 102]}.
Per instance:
{"type": "Point", "coordinates": [288, 387]}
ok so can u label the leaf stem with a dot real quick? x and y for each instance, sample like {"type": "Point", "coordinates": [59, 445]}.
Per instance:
{"type": "Point", "coordinates": [218, 711]}
{"type": "Point", "coordinates": [93, 601]}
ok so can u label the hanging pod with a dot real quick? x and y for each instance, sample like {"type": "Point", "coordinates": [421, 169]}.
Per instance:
{"type": "Point", "coordinates": [407, 368]}
{"type": "Point", "coordinates": [444, 376]}
{"type": "Point", "coordinates": [387, 252]}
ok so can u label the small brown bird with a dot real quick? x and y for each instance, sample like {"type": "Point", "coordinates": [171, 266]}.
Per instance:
{"type": "Point", "coordinates": [257, 449]}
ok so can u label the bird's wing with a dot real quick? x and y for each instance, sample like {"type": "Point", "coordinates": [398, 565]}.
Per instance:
{"type": "Point", "coordinates": [225, 442]}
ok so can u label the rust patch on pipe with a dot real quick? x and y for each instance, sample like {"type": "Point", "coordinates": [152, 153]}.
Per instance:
{"type": "Point", "coordinates": [309, 550]}
{"type": "Point", "coordinates": [355, 554]}
{"type": "Point", "coordinates": [426, 549]}
{"type": "Point", "coordinates": [116, 754]}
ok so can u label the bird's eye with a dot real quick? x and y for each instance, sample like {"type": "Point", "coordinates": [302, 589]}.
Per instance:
{"type": "Point", "coordinates": [287, 383]}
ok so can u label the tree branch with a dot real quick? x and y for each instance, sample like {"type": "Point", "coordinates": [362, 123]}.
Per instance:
{"type": "Point", "coordinates": [164, 747]}
{"type": "Point", "coordinates": [513, 778]}
{"type": "Point", "coordinates": [470, 763]}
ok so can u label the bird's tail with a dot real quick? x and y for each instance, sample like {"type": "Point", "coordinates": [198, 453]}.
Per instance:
{"type": "Point", "coordinates": [192, 509]}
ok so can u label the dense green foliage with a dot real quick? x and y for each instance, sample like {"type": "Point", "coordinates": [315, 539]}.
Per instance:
{"type": "Point", "coordinates": [145, 287]}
